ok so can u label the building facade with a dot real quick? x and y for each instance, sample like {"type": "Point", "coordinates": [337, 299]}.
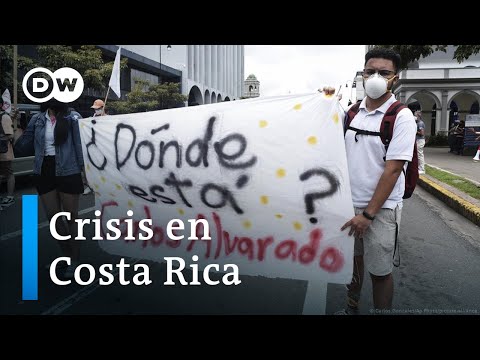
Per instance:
{"type": "Point", "coordinates": [209, 73]}
{"type": "Point", "coordinates": [445, 90]}
{"type": "Point", "coordinates": [251, 87]}
{"type": "Point", "coordinates": [205, 73]}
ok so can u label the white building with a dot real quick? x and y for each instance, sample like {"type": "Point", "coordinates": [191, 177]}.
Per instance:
{"type": "Point", "coordinates": [251, 87]}
{"type": "Point", "coordinates": [209, 73]}
{"type": "Point", "coordinates": [445, 89]}
{"type": "Point", "coordinates": [354, 89]}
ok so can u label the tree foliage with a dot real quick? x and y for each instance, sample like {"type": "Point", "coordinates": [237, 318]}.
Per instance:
{"type": "Point", "coordinates": [149, 97]}
{"type": "Point", "coordinates": [6, 67]}
{"type": "Point", "coordinates": [86, 59]}
{"type": "Point", "coordinates": [410, 53]}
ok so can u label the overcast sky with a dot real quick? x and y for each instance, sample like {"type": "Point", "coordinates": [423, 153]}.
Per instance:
{"type": "Point", "coordinates": [303, 68]}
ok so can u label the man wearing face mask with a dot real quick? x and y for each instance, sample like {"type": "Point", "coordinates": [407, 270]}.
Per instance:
{"type": "Point", "coordinates": [98, 106]}
{"type": "Point", "coordinates": [376, 179]}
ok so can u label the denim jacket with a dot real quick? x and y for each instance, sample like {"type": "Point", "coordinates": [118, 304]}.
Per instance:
{"type": "Point", "coordinates": [68, 156]}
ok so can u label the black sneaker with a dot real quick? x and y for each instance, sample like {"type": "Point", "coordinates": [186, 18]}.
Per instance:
{"type": "Point", "coordinates": [7, 201]}
{"type": "Point", "coordinates": [347, 311]}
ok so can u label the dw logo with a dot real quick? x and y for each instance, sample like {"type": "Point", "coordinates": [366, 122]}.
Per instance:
{"type": "Point", "coordinates": [65, 85]}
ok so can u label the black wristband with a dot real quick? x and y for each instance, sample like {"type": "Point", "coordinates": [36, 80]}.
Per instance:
{"type": "Point", "coordinates": [368, 216]}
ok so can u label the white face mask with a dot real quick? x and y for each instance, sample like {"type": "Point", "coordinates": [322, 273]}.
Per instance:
{"type": "Point", "coordinates": [98, 111]}
{"type": "Point", "coordinates": [376, 86]}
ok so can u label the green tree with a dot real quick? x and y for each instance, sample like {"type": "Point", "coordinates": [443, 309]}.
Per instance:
{"type": "Point", "coordinates": [6, 67]}
{"type": "Point", "coordinates": [86, 59]}
{"type": "Point", "coordinates": [410, 53]}
{"type": "Point", "coordinates": [148, 97]}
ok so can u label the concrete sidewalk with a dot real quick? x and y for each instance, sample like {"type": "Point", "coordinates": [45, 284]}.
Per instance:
{"type": "Point", "coordinates": [463, 166]}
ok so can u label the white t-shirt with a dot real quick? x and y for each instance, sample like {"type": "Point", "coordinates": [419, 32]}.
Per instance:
{"type": "Point", "coordinates": [49, 136]}
{"type": "Point", "coordinates": [365, 156]}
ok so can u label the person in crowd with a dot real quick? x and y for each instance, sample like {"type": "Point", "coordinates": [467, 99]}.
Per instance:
{"type": "Point", "coordinates": [98, 107]}
{"type": "Point", "coordinates": [6, 157]}
{"type": "Point", "coordinates": [53, 136]}
{"type": "Point", "coordinates": [420, 141]}
{"type": "Point", "coordinates": [459, 136]}
{"type": "Point", "coordinates": [377, 180]}
{"type": "Point", "coordinates": [477, 155]}
{"type": "Point", "coordinates": [22, 125]}
{"type": "Point", "coordinates": [99, 110]}
{"type": "Point", "coordinates": [451, 136]}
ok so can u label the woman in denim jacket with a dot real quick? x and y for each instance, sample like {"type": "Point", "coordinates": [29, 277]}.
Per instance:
{"type": "Point", "coordinates": [53, 136]}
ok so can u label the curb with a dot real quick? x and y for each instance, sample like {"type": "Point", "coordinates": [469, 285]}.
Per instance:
{"type": "Point", "coordinates": [461, 206]}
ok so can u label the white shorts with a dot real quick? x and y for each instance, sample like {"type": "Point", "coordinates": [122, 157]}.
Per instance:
{"type": "Point", "coordinates": [378, 243]}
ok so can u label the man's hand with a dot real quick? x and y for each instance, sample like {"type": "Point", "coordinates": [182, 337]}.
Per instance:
{"type": "Point", "coordinates": [358, 225]}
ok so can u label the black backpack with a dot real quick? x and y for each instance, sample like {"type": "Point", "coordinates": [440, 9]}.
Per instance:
{"type": "Point", "coordinates": [3, 143]}
{"type": "Point", "coordinates": [386, 134]}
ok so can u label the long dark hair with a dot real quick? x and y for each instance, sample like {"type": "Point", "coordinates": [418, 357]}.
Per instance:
{"type": "Point", "coordinates": [61, 112]}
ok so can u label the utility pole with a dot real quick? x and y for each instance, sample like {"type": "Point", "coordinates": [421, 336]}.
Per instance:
{"type": "Point", "coordinates": [15, 97]}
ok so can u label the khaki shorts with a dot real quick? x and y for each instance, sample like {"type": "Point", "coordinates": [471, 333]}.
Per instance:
{"type": "Point", "coordinates": [378, 244]}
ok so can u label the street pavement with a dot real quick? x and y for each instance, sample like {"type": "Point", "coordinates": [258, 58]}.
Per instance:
{"type": "Point", "coordinates": [438, 274]}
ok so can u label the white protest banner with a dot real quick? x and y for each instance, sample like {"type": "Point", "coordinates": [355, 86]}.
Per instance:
{"type": "Point", "coordinates": [269, 175]}
{"type": "Point", "coordinates": [7, 102]}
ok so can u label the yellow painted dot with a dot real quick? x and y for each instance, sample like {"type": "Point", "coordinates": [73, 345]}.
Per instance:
{"type": "Point", "coordinates": [312, 140]}
{"type": "Point", "coordinates": [181, 212]}
{"type": "Point", "coordinates": [263, 123]}
{"type": "Point", "coordinates": [82, 125]}
{"type": "Point", "coordinates": [281, 173]}
{"type": "Point", "coordinates": [103, 179]}
{"type": "Point", "coordinates": [88, 167]}
{"type": "Point", "coordinates": [247, 224]}
{"type": "Point", "coordinates": [96, 186]}
{"type": "Point", "coordinates": [278, 216]}
{"type": "Point", "coordinates": [130, 203]}
{"type": "Point", "coordinates": [111, 194]}
{"type": "Point", "coordinates": [264, 199]}
{"type": "Point", "coordinates": [297, 107]}
{"type": "Point", "coordinates": [335, 118]}
{"type": "Point", "coordinates": [118, 187]}
{"type": "Point", "coordinates": [297, 225]}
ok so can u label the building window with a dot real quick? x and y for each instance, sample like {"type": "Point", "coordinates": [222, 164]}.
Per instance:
{"type": "Point", "coordinates": [474, 109]}
{"type": "Point", "coordinates": [142, 75]}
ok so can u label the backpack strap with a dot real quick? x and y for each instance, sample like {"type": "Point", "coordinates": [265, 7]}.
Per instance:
{"type": "Point", "coordinates": [362, 132]}
{"type": "Point", "coordinates": [388, 122]}
{"type": "Point", "coordinates": [386, 126]}
{"type": "Point", "coordinates": [349, 116]}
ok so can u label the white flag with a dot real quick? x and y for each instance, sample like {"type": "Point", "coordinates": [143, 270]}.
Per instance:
{"type": "Point", "coordinates": [7, 103]}
{"type": "Point", "coordinates": [114, 82]}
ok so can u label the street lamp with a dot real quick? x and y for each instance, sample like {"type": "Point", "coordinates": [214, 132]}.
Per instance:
{"type": "Point", "coordinates": [352, 85]}
{"type": "Point", "coordinates": [169, 47]}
